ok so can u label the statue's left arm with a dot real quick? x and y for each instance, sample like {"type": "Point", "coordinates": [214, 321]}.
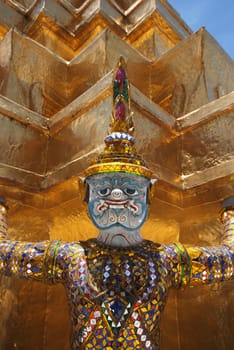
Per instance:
{"type": "Point", "coordinates": [192, 265]}
{"type": "Point", "coordinates": [215, 264]}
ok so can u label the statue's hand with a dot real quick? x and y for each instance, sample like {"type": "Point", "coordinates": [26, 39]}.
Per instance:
{"type": "Point", "coordinates": [3, 201]}
{"type": "Point", "coordinates": [227, 210]}
{"type": "Point", "coordinates": [227, 219]}
{"type": "Point", "coordinates": [228, 203]}
{"type": "Point", "coordinates": [3, 219]}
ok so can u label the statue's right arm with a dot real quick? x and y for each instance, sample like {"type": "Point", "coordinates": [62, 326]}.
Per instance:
{"type": "Point", "coordinates": [46, 261]}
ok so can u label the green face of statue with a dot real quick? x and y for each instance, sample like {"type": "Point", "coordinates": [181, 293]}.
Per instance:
{"type": "Point", "coordinates": [118, 201]}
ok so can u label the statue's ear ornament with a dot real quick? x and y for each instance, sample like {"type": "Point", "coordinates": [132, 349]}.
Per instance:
{"type": "Point", "coordinates": [151, 191]}
{"type": "Point", "coordinates": [120, 154]}
{"type": "Point", "coordinates": [83, 188]}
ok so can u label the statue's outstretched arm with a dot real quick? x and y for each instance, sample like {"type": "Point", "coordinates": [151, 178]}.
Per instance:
{"type": "Point", "coordinates": [215, 264]}
{"type": "Point", "coordinates": [46, 261]}
{"type": "Point", "coordinates": [191, 265]}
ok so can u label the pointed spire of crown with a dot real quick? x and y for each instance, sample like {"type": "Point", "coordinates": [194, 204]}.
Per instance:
{"type": "Point", "coordinates": [120, 154]}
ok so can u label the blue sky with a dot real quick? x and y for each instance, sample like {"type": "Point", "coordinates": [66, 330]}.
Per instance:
{"type": "Point", "coordinates": [217, 16]}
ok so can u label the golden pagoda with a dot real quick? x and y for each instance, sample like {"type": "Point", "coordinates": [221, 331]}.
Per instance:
{"type": "Point", "coordinates": [56, 64]}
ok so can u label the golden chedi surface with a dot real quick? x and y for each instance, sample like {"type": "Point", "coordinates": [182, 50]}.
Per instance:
{"type": "Point", "coordinates": [56, 62]}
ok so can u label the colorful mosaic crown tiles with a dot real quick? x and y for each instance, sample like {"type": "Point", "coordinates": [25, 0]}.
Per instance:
{"type": "Point", "coordinates": [120, 154]}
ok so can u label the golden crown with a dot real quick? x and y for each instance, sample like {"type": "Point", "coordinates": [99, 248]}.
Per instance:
{"type": "Point", "coordinates": [120, 154]}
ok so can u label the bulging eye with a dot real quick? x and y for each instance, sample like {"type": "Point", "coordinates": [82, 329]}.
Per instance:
{"type": "Point", "coordinates": [104, 192]}
{"type": "Point", "coordinates": [131, 191]}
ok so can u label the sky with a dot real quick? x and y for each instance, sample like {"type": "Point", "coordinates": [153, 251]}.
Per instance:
{"type": "Point", "coordinates": [216, 15]}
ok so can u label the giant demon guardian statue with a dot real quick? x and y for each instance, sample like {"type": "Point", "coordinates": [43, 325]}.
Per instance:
{"type": "Point", "coordinates": [117, 284]}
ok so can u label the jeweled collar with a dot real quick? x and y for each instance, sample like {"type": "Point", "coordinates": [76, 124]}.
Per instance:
{"type": "Point", "coordinates": [141, 248]}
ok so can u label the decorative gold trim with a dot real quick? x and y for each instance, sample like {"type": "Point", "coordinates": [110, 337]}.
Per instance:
{"type": "Point", "coordinates": [113, 167]}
